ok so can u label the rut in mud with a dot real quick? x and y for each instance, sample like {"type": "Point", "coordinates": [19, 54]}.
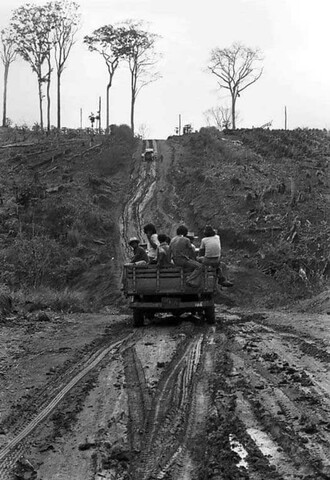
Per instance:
{"type": "Point", "coordinates": [247, 398]}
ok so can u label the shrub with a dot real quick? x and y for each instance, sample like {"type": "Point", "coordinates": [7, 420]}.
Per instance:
{"type": "Point", "coordinates": [74, 268]}
{"type": "Point", "coordinates": [34, 261]}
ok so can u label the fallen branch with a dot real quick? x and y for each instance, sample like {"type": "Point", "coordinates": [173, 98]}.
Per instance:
{"type": "Point", "coordinates": [99, 242]}
{"type": "Point", "coordinates": [13, 145]}
{"type": "Point", "coordinates": [81, 154]}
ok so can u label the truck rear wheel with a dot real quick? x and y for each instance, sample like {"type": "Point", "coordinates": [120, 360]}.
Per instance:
{"type": "Point", "coordinates": [210, 315]}
{"type": "Point", "coordinates": [138, 318]}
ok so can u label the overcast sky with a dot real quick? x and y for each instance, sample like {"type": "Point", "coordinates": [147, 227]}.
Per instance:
{"type": "Point", "coordinates": [293, 35]}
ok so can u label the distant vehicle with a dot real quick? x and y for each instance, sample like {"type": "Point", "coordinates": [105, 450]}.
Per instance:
{"type": "Point", "coordinates": [148, 155]}
{"type": "Point", "coordinates": [154, 289]}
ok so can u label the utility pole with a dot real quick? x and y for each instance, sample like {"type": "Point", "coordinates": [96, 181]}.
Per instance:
{"type": "Point", "coordinates": [100, 115]}
{"type": "Point", "coordinates": [81, 119]}
{"type": "Point", "coordinates": [285, 119]}
{"type": "Point", "coordinates": [179, 123]}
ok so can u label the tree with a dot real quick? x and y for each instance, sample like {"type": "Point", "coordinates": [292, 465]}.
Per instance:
{"type": "Point", "coordinates": [31, 32]}
{"type": "Point", "coordinates": [141, 56]}
{"type": "Point", "coordinates": [8, 55]}
{"type": "Point", "coordinates": [48, 33]}
{"type": "Point", "coordinates": [65, 19]}
{"type": "Point", "coordinates": [108, 41]}
{"type": "Point", "coordinates": [220, 116]}
{"type": "Point", "coordinates": [236, 68]}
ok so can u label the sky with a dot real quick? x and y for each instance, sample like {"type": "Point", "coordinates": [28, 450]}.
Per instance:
{"type": "Point", "coordinates": [293, 36]}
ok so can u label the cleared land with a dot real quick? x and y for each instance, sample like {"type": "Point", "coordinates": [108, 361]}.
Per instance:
{"type": "Point", "coordinates": [87, 396]}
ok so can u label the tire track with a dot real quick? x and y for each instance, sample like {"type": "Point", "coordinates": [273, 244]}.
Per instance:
{"type": "Point", "coordinates": [143, 183]}
{"type": "Point", "coordinates": [182, 465]}
{"type": "Point", "coordinates": [11, 452]}
{"type": "Point", "coordinates": [284, 400]}
{"type": "Point", "coordinates": [169, 421]}
{"type": "Point", "coordinates": [138, 397]}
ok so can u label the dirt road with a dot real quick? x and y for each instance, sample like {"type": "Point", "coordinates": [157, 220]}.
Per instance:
{"type": "Point", "coordinates": [89, 397]}
{"type": "Point", "coordinates": [248, 398]}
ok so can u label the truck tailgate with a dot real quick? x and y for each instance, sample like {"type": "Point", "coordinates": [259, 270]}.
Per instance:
{"type": "Point", "coordinates": [151, 280]}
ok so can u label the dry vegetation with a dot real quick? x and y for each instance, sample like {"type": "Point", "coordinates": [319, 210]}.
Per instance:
{"type": "Point", "coordinates": [267, 192]}
{"type": "Point", "coordinates": [60, 202]}
{"type": "Point", "coordinates": [62, 197]}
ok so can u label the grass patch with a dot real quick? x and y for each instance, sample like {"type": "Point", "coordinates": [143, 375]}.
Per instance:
{"type": "Point", "coordinates": [67, 300]}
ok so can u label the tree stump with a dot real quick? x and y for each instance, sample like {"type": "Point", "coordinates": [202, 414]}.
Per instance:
{"type": "Point", "coordinates": [5, 304]}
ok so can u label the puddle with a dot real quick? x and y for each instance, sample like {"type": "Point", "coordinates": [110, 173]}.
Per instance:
{"type": "Point", "coordinates": [265, 444]}
{"type": "Point", "coordinates": [238, 448]}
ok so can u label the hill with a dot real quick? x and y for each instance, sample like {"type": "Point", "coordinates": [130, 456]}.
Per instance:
{"type": "Point", "coordinates": [64, 197]}
{"type": "Point", "coordinates": [267, 193]}
{"type": "Point", "coordinates": [61, 198]}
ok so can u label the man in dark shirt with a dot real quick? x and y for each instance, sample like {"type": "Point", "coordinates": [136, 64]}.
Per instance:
{"type": "Point", "coordinates": [181, 249]}
{"type": "Point", "coordinates": [163, 252]}
{"type": "Point", "coordinates": [183, 254]}
{"type": "Point", "coordinates": [140, 256]}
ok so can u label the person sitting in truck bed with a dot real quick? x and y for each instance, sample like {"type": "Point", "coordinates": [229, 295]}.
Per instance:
{"type": "Point", "coordinates": [163, 252]}
{"type": "Point", "coordinates": [210, 252]}
{"type": "Point", "coordinates": [182, 254]}
{"type": "Point", "coordinates": [153, 242]}
{"type": "Point", "coordinates": [140, 256]}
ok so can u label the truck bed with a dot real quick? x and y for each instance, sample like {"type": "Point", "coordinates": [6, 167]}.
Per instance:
{"type": "Point", "coordinates": [151, 280]}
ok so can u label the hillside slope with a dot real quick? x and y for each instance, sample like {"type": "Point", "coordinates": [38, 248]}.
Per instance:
{"type": "Point", "coordinates": [65, 199]}
{"type": "Point", "coordinates": [267, 193]}
{"type": "Point", "coordinates": [61, 200]}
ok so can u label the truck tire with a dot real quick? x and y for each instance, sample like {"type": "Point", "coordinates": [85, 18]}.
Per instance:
{"type": "Point", "coordinates": [210, 315]}
{"type": "Point", "coordinates": [138, 318]}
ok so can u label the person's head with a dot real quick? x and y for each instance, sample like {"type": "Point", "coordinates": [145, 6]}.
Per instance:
{"type": "Point", "coordinates": [182, 230]}
{"type": "Point", "coordinates": [168, 239]}
{"type": "Point", "coordinates": [149, 229]}
{"type": "Point", "coordinates": [134, 242]}
{"type": "Point", "coordinates": [208, 231]}
{"type": "Point", "coordinates": [162, 237]}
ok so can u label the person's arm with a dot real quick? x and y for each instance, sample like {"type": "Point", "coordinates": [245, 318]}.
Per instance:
{"type": "Point", "coordinates": [201, 251]}
{"type": "Point", "coordinates": [135, 258]}
{"type": "Point", "coordinates": [139, 255]}
{"type": "Point", "coordinates": [152, 241]}
{"type": "Point", "coordinates": [160, 256]}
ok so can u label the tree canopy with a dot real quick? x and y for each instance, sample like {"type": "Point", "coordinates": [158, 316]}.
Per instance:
{"type": "Point", "coordinates": [236, 68]}
{"type": "Point", "coordinates": [108, 42]}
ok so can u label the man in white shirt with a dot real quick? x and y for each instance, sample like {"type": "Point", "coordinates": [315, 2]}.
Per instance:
{"type": "Point", "coordinates": [153, 242]}
{"type": "Point", "coordinates": [210, 253]}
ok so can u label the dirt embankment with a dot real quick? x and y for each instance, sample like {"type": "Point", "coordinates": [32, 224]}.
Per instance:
{"type": "Point", "coordinates": [267, 194]}
{"type": "Point", "coordinates": [61, 200]}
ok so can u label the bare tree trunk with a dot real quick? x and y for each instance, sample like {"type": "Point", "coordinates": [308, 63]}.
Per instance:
{"type": "Point", "coordinates": [233, 112]}
{"type": "Point", "coordinates": [133, 98]}
{"type": "Point", "coordinates": [48, 105]}
{"type": "Point", "coordinates": [40, 104]}
{"type": "Point", "coordinates": [132, 113]}
{"type": "Point", "coordinates": [293, 187]}
{"type": "Point", "coordinates": [107, 129]}
{"type": "Point", "coordinates": [58, 100]}
{"type": "Point", "coordinates": [48, 95]}
{"type": "Point", "coordinates": [5, 82]}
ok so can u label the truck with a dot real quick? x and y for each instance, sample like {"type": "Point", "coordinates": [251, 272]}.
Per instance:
{"type": "Point", "coordinates": [148, 154]}
{"type": "Point", "coordinates": [153, 290]}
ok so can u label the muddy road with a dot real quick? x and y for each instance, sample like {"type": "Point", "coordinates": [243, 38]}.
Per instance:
{"type": "Point", "coordinates": [90, 397]}
{"type": "Point", "coordinates": [177, 399]}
